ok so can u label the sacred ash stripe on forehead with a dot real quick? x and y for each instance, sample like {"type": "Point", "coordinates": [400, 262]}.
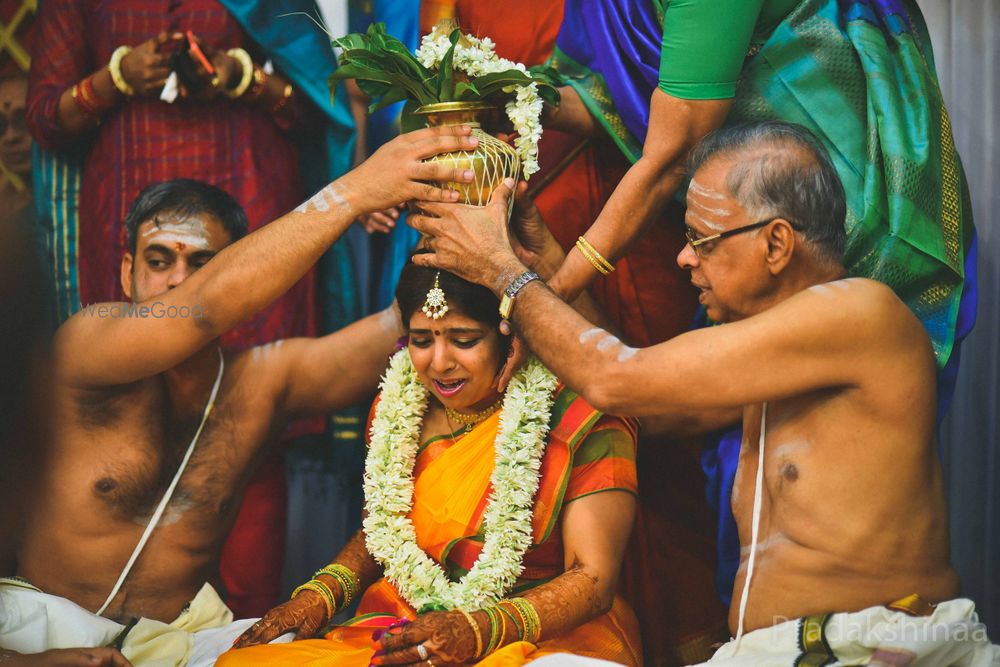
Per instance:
{"type": "Point", "coordinates": [191, 232]}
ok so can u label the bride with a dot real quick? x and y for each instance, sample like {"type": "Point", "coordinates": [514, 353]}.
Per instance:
{"type": "Point", "coordinates": [495, 517]}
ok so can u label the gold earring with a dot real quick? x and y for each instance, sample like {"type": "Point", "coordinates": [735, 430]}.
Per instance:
{"type": "Point", "coordinates": [436, 305]}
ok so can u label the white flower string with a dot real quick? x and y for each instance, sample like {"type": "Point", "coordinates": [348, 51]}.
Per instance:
{"type": "Point", "coordinates": [388, 483]}
{"type": "Point", "coordinates": [476, 57]}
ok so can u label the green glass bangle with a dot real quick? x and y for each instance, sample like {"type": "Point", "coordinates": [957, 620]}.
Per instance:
{"type": "Point", "coordinates": [513, 619]}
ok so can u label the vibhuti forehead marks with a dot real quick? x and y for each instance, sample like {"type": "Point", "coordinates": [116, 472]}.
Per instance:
{"type": "Point", "coordinates": [697, 205]}
{"type": "Point", "coordinates": [179, 234]}
{"type": "Point", "coordinates": [708, 193]}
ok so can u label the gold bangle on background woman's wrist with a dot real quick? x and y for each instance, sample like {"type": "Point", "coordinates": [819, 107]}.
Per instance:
{"type": "Point", "coordinates": [246, 76]}
{"type": "Point", "coordinates": [115, 69]}
{"type": "Point", "coordinates": [595, 258]}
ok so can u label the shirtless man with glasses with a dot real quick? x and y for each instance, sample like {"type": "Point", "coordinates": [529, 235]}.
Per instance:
{"type": "Point", "coordinates": [839, 494]}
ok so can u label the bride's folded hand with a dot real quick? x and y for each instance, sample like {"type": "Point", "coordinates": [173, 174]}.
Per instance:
{"type": "Point", "coordinates": [306, 613]}
{"type": "Point", "coordinates": [446, 639]}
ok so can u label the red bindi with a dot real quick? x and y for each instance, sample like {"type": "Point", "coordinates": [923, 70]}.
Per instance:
{"type": "Point", "coordinates": [178, 246]}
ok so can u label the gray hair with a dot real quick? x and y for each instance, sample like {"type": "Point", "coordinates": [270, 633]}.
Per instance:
{"type": "Point", "coordinates": [782, 171]}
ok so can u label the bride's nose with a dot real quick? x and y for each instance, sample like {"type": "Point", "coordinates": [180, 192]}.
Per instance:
{"type": "Point", "coordinates": [442, 360]}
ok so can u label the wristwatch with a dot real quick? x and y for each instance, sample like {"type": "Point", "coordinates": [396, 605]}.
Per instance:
{"type": "Point", "coordinates": [507, 302]}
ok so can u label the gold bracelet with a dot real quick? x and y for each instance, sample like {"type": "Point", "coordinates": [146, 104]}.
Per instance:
{"type": "Point", "coordinates": [590, 258]}
{"type": "Point", "coordinates": [513, 620]}
{"type": "Point", "coordinates": [246, 62]}
{"type": "Point", "coordinates": [594, 257]}
{"type": "Point", "coordinates": [491, 614]}
{"type": "Point", "coordinates": [600, 258]}
{"type": "Point", "coordinates": [336, 570]}
{"type": "Point", "coordinates": [503, 626]}
{"type": "Point", "coordinates": [345, 577]}
{"type": "Point", "coordinates": [475, 631]}
{"type": "Point", "coordinates": [533, 624]}
{"type": "Point", "coordinates": [286, 95]}
{"type": "Point", "coordinates": [258, 86]}
{"type": "Point", "coordinates": [322, 590]}
{"type": "Point", "coordinates": [115, 69]}
{"type": "Point", "coordinates": [524, 619]}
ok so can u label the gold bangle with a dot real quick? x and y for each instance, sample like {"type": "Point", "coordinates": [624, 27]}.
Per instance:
{"type": "Point", "coordinates": [337, 570]}
{"type": "Point", "coordinates": [595, 258]}
{"type": "Point", "coordinates": [533, 624]}
{"type": "Point", "coordinates": [115, 69]}
{"type": "Point", "coordinates": [492, 644]}
{"type": "Point", "coordinates": [246, 62]}
{"type": "Point", "coordinates": [285, 96]}
{"type": "Point", "coordinates": [475, 631]}
{"type": "Point", "coordinates": [524, 619]}
{"type": "Point", "coordinates": [259, 82]}
{"type": "Point", "coordinates": [327, 594]}
{"type": "Point", "coordinates": [590, 258]}
{"type": "Point", "coordinates": [345, 578]}
{"type": "Point", "coordinates": [322, 590]}
{"type": "Point", "coordinates": [513, 620]}
{"type": "Point", "coordinates": [608, 265]}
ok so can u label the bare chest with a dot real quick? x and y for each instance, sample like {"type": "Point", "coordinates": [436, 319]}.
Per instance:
{"type": "Point", "coordinates": [131, 445]}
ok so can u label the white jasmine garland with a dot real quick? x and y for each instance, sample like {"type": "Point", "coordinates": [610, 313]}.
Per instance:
{"type": "Point", "coordinates": [476, 57]}
{"type": "Point", "coordinates": [388, 483]}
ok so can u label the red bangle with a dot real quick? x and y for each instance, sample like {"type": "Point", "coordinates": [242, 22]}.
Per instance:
{"type": "Point", "coordinates": [84, 104]}
{"type": "Point", "coordinates": [87, 87]}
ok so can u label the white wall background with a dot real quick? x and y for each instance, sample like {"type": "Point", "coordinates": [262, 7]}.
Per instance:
{"type": "Point", "coordinates": [966, 39]}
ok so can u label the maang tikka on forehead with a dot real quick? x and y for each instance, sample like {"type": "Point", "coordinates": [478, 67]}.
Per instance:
{"type": "Point", "coordinates": [435, 305]}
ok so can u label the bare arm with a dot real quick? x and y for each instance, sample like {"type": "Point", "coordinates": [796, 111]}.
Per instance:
{"type": "Point", "coordinates": [322, 375]}
{"type": "Point", "coordinates": [253, 272]}
{"type": "Point", "coordinates": [675, 126]}
{"type": "Point", "coordinates": [595, 533]}
{"type": "Point", "coordinates": [534, 244]}
{"type": "Point", "coordinates": [571, 116]}
{"type": "Point", "coordinates": [786, 350]}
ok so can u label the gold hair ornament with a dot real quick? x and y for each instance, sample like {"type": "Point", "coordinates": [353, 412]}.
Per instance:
{"type": "Point", "coordinates": [436, 305]}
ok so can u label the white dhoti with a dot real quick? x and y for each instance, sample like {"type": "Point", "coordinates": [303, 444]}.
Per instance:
{"type": "Point", "coordinates": [950, 636]}
{"type": "Point", "coordinates": [32, 621]}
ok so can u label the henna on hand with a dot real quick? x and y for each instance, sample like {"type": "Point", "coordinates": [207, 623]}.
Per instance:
{"type": "Point", "coordinates": [305, 613]}
{"type": "Point", "coordinates": [446, 635]}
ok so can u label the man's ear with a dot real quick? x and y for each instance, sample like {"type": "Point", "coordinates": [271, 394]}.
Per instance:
{"type": "Point", "coordinates": [780, 245]}
{"type": "Point", "coordinates": [126, 274]}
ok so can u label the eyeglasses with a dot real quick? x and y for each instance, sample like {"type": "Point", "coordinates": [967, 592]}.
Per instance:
{"type": "Point", "coordinates": [702, 250]}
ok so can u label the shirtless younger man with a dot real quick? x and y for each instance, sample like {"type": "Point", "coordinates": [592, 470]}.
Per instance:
{"type": "Point", "coordinates": [132, 388]}
{"type": "Point", "coordinates": [836, 381]}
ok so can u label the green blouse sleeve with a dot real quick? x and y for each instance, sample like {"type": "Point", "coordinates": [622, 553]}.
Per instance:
{"type": "Point", "coordinates": [704, 45]}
